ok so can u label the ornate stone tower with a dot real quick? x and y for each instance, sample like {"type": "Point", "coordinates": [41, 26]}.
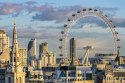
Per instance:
{"type": "Point", "coordinates": [15, 73]}
{"type": "Point", "coordinates": [109, 74]}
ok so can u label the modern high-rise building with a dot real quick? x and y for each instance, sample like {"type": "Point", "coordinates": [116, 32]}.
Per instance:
{"type": "Point", "coordinates": [31, 51]}
{"type": "Point", "coordinates": [4, 41]}
{"type": "Point", "coordinates": [73, 51]}
{"type": "Point", "coordinates": [15, 73]}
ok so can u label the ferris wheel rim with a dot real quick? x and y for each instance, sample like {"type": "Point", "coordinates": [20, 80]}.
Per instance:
{"type": "Point", "coordinates": [93, 13]}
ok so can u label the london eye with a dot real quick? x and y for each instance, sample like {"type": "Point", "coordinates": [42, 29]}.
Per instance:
{"type": "Point", "coordinates": [86, 13]}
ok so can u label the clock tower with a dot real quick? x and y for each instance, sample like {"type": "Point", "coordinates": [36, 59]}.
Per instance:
{"type": "Point", "coordinates": [15, 73]}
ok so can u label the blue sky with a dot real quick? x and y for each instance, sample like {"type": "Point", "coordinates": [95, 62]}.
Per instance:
{"type": "Point", "coordinates": [43, 19]}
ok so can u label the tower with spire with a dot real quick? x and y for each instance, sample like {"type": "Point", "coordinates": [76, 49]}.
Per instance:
{"type": "Point", "coordinates": [15, 73]}
{"type": "Point", "coordinates": [15, 53]}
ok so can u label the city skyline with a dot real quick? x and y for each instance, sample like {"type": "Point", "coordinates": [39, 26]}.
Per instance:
{"type": "Point", "coordinates": [62, 41]}
{"type": "Point", "coordinates": [44, 20]}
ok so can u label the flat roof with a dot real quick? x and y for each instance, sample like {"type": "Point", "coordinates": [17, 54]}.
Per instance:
{"type": "Point", "coordinates": [2, 31]}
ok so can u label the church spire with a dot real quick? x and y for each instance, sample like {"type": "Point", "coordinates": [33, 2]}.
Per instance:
{"type": "Point", "coordinates": [15, 71]}
{"type": "Point", "coordinates": [15, 53]}
{"type": "Point", "coordinates": [14, 35]}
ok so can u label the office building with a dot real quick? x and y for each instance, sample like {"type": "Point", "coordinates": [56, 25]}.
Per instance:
{"type": "Point", "coordinates": [122, 60]}
{"type": "Point", "coordinates": [75, 74]}
{"type": "Point", "coordinates": [31, 51]}
{"type": "Point", "coordinates": [23, 56]}
{"type": "Point", "coordinates": [46, 58]}
{"type": "Point", "coordinates": [114, 75]}
{"type": "Point", "coordinates": [5, 58]}
{"type": "Point", "coordinates": [4, 41]}
{"type": "Point", "coordinates": [50, 74]}
{"type": "Point", "coordinates": [43, 47]}
{"type": "Point", "coordinates": [73, 52]}
{"type": "Point", "coordinates": [34, 76]}
{"type": "Point", "coordinates": [4, 49]}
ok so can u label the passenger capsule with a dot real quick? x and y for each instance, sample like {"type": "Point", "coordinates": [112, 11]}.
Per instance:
{"type": "Point", "coordinates": [60, 39]}
{"type": "Point", "coordinates": [118, 39]}
{"type": "Point", "coordinates": [118, 47]}
{"type": "Point", "coordinates": [65, 25]}
{"type": "Point", "coordinates": [60, 47]}
{"type": "Point", "coordinates": [73, 14]}
{"type": "Point", "coordinates": [95, 10]}
{"type": "Point", "coordinates": [84, 10]}
{"type": "Point", "coordinates": [90, 9]}
{"type": "Point", "coordinates": [69, 19]}
{"type": "Point", "coordinates": [61, 54]}
{"type": "Point", "coordinates": [62, 32]}
{"type": "Point", "coordinates": [78, 11]}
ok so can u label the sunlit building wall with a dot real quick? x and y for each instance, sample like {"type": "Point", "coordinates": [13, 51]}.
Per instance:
{"type": "Point", "coordinates": [4, 40]}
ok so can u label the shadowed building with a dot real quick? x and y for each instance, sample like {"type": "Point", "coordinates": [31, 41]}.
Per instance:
{"type": "Point", "coordinates": [43, 47]}
{"type": "Point", "coordinates": [31, 51]}
{"type": "Point", "coordinates": [73, 52]}
{"type": "Point", "coordinates": [2, 75]}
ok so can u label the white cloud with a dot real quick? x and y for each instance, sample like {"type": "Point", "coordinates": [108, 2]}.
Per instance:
{"type": "Point", "coordinates": [93, 28]}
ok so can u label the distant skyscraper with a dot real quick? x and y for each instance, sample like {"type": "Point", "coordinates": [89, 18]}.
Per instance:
{"type": "Point", "coordinates": [73, 51]}
{"type": "Point", "coordinates": [31, 51]}
{"type": "Point", "coordinates": [4, 40]}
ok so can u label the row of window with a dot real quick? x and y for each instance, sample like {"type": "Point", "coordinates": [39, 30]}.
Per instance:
{"type": "Point", "coordinates": [119, 78]}
{"type": "Point", "coordinates": [36, 76]}
{"type": "Point", "coordinates": [70, 80]}
{"type": "Point", "coordinates": [34, 82]}
{"type": "Point", "coordinates": [18, 80]}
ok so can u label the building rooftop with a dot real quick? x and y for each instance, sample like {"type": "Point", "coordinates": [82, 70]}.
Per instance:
{"type": "Point", "coordinates": [2, 32]}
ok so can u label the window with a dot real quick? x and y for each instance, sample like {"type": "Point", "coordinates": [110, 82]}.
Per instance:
{"type": "Point", "coordinates": [117, 78]}
{"type": "Point", "coordinates": [14, 59]}
{"type": "Point", "coordinates": [20, 80]}
{"type": "Point", "coordinates": [9, 80]}
{"type": "Point", "coordinates": [11, 59]}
